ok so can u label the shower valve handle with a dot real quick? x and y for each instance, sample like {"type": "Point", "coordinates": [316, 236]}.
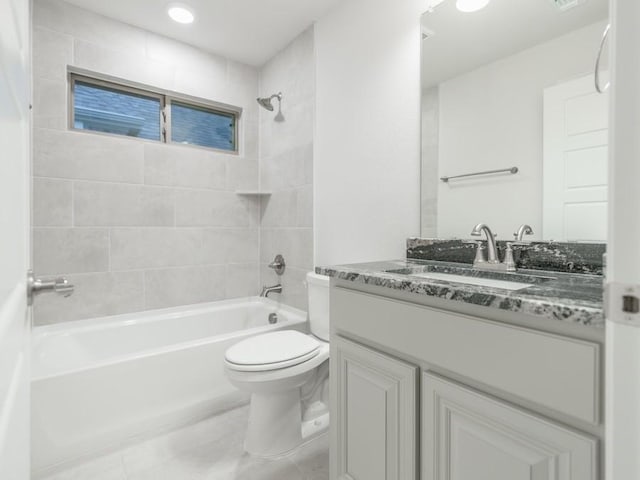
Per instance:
{"type": "Point", "coordinates": [278, 264]}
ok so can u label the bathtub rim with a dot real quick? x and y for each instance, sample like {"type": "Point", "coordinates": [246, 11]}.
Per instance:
{"type": "Point", "coordinates": [41, 333]}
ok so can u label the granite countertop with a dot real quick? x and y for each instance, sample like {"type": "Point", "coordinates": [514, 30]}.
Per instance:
{"type": "Point", "coordinates": [567, 297]}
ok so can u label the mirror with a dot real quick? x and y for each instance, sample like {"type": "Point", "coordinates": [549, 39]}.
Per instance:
{"type": "Point", "coordinates": [512, 85]}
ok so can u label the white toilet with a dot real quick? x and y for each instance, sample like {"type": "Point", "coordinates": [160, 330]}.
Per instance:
{"type": "Point", "coordinates": [287, 374]}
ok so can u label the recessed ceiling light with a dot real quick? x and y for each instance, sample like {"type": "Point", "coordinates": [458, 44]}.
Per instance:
{"type": "Point", "coordinates": [180, 13]}
{"type": "Point", "coordinates": [471, 5]}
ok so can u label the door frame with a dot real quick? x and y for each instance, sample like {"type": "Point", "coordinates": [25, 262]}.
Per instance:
{"type": "Point", "coordinates": [622, 395]}
{"type": "Point", "coordinates": [15, 223]}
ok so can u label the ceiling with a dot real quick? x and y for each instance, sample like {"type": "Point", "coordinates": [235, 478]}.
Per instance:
{"type": "Point", "coordinates": [249, 31]}
{"type": "Point", "coordinates": [465, 41]}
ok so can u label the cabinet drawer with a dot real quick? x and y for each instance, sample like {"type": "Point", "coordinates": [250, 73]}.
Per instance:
{"type": "Point", "coordinates": [557, 372]}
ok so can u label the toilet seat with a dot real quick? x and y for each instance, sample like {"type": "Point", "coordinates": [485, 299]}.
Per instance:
{"type": "Point", "coordinates": [271, 351]}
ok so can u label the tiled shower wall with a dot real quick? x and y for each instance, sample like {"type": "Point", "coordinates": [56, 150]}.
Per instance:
{"type": "Point", "coordinates": [139, 225]}
{"type": "Point", "coordinates": [286, 167]}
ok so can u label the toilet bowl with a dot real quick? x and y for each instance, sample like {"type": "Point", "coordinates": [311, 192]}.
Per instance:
{"type": "Point", "coordinates": [286, 373]}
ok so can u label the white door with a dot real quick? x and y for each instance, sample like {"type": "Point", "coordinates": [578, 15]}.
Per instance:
{"type": "Point", "coordinates": [623, 251]}
{"type": "Point", "coordinates": [15, 87]}
{"type": "Point", "coordinates": [376, 422]}
{"type": "Point", "coordinates": [575, 128]}
{"type": "Point", "coordinates": [470, 436]}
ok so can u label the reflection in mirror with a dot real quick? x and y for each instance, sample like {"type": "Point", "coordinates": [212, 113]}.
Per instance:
{"type": "Point", "coordinates": [512, 85]}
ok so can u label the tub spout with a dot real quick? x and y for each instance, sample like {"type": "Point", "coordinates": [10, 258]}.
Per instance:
{"type": "Point", "coordinates": [273, 289]}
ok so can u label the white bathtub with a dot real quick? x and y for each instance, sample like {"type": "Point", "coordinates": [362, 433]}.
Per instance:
{"type": "Point", "coordinates": [102, 382]}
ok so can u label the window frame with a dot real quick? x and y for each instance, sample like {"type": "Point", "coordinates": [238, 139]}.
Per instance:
{"type": "Point", "coordinates": [198, 106]}
{"type": "Point", "coordinates": [166, 98]}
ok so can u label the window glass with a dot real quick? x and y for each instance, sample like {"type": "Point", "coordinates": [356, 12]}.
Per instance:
{"type": "Point", "coordinates": [201, 126]}
{"type": "Point", "coordinates": [111, 110]}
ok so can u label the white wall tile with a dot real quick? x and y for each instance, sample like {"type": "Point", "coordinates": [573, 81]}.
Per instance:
{"type": "Point", "coordinates": [50, 104]}
{"type": "Point", "coordinates": [184, 286]}
{"type": "Point", "coordinates": [69, 19]}
{"type": "Point", "coordinates": [288, 169]}
{"type": "Point", "coordinates": [202, 84]}
{"type": "Point", "coordinates": [242, 174]}
{"type": "Point", "coordinates": [140, 248]}
{"type": "Point", "coordinates": [123, 64]}
{"type": "Point", "coordinates": [243, 76]}
{"type": "Point", "coordinates": [96, 295]}
{"type": "Point", "coordinates": [294, 131]}
{"type": "Point", "coordinates": [248, 137]}
{"type": "Point", "coordinates": [294, 244]}
{"type": "Point", "coordinates": [280, 209]}
{"type": "Point", "coordinates": [230, 245]}
{"type": "Point", "coordinates": [52, 52]}
{"type": "Point", "coordinates": [110, 204]}
{"type": "Point", "coordinates": [70, 250]}
{"type": "Point", "coordinates": [87, 156]}
{"type": "Point", "coordinates": [215, 209]}
{"type": "Point", "coordinates": [243, 280]}
{"type": "Point", "coordinates": [242, 86]}
{"type": "Point", "coordinates": [52, 202]}
{"type": "Point", "coordinates": [292, 70]}
{"type": "Point", "coordinates": [184, 167]}
{"type": "Point", "coordinates": [185, 57]}
{"type": "Point", "coordinates": [304, 204]}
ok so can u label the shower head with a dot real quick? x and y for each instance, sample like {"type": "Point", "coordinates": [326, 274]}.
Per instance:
{"type": "Point", "coordinates": [266, 102]}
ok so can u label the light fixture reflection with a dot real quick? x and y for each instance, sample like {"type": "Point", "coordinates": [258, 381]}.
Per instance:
{"type": "Point", "coordinates": [180, 13]}
{"type": "Point", "coordinates": [471, 5]}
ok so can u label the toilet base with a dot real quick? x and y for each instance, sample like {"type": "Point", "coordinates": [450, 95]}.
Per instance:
{"type": "Point", "coordinates": [275, 424]}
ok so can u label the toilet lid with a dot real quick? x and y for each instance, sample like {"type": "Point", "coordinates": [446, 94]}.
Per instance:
{"type": "Point", "coordinates": [272, 350]}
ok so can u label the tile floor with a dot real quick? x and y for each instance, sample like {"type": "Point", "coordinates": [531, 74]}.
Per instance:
{"type": "Point", "coordinates": [208, 450]}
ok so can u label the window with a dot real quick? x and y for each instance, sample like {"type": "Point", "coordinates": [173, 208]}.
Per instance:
{"type": "Point", "coordinates": [202, 126]}
{"type": "Point", "coordinates": [110, 110]}
{"type": "Point", "coordinates": [109, 107]}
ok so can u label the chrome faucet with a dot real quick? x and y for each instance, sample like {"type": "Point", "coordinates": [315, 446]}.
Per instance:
{"type": "Point", "coordinates": [522, 231]}
{"type": "Point", "coordinates": [273, 289]}
{"type": "Point", "coordinates": [492, 251]}
{"type": "Point", "coordinates": [492, 262]}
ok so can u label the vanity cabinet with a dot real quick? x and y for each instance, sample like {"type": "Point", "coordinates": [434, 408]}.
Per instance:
{"type": "Point", "coordinates": [470, 436]}
{"type": "Point", "coordinates": [376, 415]}
{"type": "Point", "coordinates": [480, 399]}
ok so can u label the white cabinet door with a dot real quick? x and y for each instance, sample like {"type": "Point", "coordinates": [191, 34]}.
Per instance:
{"type": "Point", "coordinates": [374, 414]}
{"type": "Point", "coordinates": [14, 238]}
{"type": "Point", "coordinates": [469, 436]}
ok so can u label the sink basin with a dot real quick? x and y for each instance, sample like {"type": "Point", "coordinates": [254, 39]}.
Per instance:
{"type": "Point", "coordinates": [484, 282]}
{"type": "Point", "coordinates": [471, 276]}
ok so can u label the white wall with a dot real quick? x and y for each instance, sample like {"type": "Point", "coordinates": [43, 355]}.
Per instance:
{"type": "Point", "coordinates": [367, 130]}
{"type": "Point", "coordinates": [491, 118]}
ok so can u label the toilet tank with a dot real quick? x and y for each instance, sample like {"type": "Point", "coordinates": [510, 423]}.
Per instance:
{"type": "Point", "coordinates": [318, 295]}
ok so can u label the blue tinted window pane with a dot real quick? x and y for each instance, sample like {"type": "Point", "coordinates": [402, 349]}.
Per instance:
{"type": "Point", "coordinates": [109, 110]}
{"type": "Point", "coordinates": [199, 126]}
